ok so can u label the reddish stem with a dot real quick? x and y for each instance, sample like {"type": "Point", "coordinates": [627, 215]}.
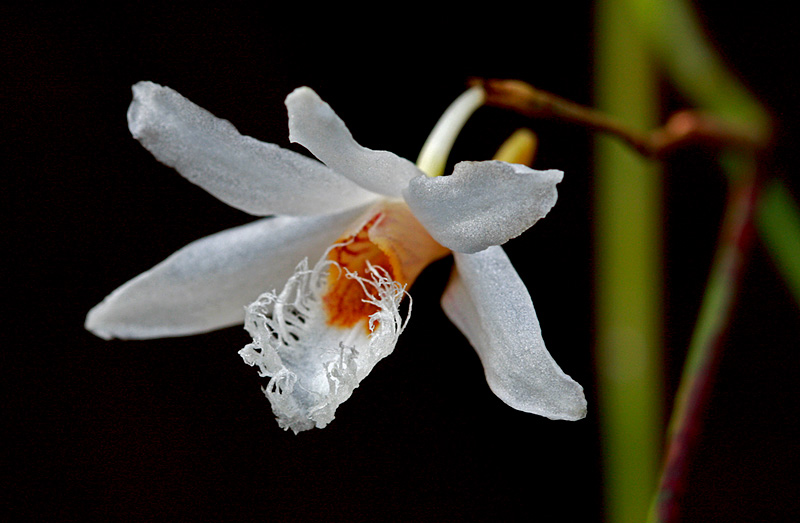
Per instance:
{"type": "Point", "coordinates": [700, 370]}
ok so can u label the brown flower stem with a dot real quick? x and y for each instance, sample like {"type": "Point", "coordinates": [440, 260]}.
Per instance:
{"type": "Point", "coordinates": [682, 129]}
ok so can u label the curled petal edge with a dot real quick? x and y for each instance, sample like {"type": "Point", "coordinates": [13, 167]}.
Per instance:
{"type": "Point", "coordinates": [482, 203]}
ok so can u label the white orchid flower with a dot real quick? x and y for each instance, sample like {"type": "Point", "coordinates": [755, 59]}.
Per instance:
{"type": "Point", "coordinates": [374, 221]}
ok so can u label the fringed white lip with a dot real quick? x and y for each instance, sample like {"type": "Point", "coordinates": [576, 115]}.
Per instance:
{"type": "Point", "coordinates": [314, 367]}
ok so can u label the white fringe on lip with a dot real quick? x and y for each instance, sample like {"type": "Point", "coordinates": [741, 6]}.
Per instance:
{"type": "Point", "coordinates": [314, 367]}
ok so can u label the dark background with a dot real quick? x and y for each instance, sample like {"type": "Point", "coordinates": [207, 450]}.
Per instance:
{"type": "Point", "coordinates": [177, 430]}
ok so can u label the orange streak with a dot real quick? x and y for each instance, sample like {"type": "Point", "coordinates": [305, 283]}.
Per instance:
{"type": "Point", "coordinates": [391, 239]}
{"type": "Point", "coordinates": [344, 301]}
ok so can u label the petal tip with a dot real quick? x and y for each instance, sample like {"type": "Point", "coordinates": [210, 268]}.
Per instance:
{"type": "Point", "coordinates": [139, 113]}
{"type": "Point", "coordinates": [94, 323]}
{"type": "Point", "coordinates": [564, 401]}
{"type": "Point", "coordinates": [572, 406]}
{"type": "Point", "coordinates": [567, 402]}
{"type": "Point", "coordinates": [303, 90]}
{"type": "Point", "coordinates": [302, 103]}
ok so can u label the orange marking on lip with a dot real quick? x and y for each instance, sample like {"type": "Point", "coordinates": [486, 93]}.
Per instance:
{"type": "Point", "coordinates": [344, 301]}
{"type": "Point", "coordinates": [392, 239]}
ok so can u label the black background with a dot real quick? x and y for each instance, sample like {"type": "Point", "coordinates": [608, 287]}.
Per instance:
{"type": "Point", "coordinates": [177, 430]}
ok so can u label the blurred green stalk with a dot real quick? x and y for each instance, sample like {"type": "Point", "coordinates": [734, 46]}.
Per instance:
{"type": "Point", "coordinates": [677, 40]}
{"type": "Point", "coordinates": [778, 222]}
{"type": "Point", "coordinates": [628, 271]}
{"type": "Point", "coordinates": [632, 36]}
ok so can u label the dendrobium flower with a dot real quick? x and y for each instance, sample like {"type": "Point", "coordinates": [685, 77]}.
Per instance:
{"type": "Point", "coordinates": [371, 222]}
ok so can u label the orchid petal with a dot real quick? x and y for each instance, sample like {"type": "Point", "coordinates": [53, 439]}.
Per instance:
{"type": "Point", "coordinates": [488, 302]}
{"type": "Point", "coordinates": [482, 203]}
{"type": "Point", "coordinates": [258, 178]}
{"type": "Point", "coordinates": [207, 284]}
{"type": "Point", "coordinates": [314, 125]}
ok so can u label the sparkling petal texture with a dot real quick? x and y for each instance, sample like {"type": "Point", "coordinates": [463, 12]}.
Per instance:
{"type": "Point", "coordinates": [313, 366]}
{"type": "Point", "coordinates": [256, 177]}
{"type": "Point", "coordinates": [488, 302]}
{"type": "Point", "coordinates": [207, 284]}
{"type": "Point", "coordinates": [482, 203]}
{"type": "Point", "coordinates": [314, 125]}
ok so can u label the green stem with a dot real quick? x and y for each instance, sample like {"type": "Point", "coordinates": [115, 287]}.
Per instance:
{"type": "Point", "coordinates": [676, 37]}
{"type": "Point", "coordinates": [628, 274]}
{"type": "Point", "coordinates": [778, 221]}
